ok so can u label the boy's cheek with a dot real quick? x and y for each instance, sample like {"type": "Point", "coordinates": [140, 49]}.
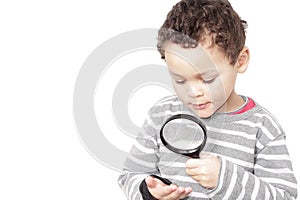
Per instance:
{"type": "Point", "coordinates": [180, 92]}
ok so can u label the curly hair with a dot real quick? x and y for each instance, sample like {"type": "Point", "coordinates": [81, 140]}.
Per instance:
{"type": "Point", "coordinates": [191, 21]}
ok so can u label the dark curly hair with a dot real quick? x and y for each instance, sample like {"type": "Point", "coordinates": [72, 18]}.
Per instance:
{"type": "Point", "coordinates": [192, 21]}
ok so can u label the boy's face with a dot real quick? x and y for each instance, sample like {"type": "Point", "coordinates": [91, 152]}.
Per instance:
{"type": "Point", "coordinates": [202, 78]}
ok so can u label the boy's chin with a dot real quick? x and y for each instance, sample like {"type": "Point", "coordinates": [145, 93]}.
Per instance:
{"type": "Point", "coordinates": [203, 114]}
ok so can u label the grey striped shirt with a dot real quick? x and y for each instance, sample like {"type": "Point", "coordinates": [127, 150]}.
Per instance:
{"type": "Point", "coordinates": [255, 163]}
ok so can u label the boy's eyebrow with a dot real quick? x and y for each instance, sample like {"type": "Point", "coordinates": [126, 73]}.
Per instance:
{"type": "Point", "coordinates": [209, 72]}
{"type": "Point", "coordinates": [173, 73]}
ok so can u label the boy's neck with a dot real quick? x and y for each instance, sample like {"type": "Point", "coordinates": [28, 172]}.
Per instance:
{"type": "Point", "coordinates": [233, 103]}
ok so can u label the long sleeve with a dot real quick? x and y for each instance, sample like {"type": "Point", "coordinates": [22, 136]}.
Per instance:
{"type": "Point", "coordinates": [141, 161]}
{"type": "Point", "coordinates": [272, 176]}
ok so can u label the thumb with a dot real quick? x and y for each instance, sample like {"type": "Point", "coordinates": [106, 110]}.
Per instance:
{"type": "Point", "coordinates": [205, 155]}
{"type": "Point", "coordinates": [150, 181]}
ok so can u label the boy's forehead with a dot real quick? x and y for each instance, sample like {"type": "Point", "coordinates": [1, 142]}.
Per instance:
{"type": "Point", "coordinates": [197, 56]}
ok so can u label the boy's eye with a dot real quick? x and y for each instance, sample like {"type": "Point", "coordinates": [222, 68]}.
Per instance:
{"type": "Point", "coordinates": [209, 80]}
{"type": "Point", "coordinates": [180, 81]}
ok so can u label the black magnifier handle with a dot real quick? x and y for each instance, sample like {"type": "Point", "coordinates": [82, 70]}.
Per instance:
{"type": "Point", "coordinates": [193, 155]}
{"type": "Point", "coordinates": [164, 180]}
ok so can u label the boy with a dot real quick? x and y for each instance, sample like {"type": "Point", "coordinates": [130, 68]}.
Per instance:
{"type": "Point", "coordinates": [202, 42]}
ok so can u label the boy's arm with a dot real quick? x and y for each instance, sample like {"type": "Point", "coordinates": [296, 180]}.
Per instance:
{"type": "Point", "coordinates": [272, 177]}
{"type": "Point", "coordinates": [141, 161]}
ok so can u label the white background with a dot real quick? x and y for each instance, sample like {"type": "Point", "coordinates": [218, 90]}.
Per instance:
{"type": "Point", "coordinates": [42, 47]}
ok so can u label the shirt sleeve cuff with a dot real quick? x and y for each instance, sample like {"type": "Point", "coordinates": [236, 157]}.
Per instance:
{"type": "Point", "coordinates": [217, 189]}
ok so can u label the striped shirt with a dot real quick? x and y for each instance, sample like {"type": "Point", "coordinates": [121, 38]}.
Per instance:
{"type": "Point", "coordinates": [255, 163]}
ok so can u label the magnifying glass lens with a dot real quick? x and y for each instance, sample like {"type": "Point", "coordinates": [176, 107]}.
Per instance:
{"type": "Point", "coordinates": [184, 134]}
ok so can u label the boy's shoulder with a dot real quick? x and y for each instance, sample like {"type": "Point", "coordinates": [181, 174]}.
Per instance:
{"type": "Point", "coordinates": [262, 117]}
{"type": "Point", "coordinates": [264, 113]}
{"type": "Point", "coordinates": [269, 127]}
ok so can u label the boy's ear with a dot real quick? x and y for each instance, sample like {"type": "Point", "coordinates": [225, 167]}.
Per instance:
{"type": "Point", "coordinates": [243, 60]}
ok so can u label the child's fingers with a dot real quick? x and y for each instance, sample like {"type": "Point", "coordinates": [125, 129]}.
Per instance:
{"type": "Point", "coordinates": [176, 194]}
{"type": "Point", "coordinates": [179, 193]}
{"type": "Point", "coordinates": [158, 189]}
{"type": "Point", "coordinates": [205, 155]}
{"type": "Point", "coordinates": [163, 192]}
{"type": "Point", "coordinates": [196, 162]}
{"type": "Point", "coordinates": [154, 182]}
{"type": "Point", "coordinates": [193, 163]}
{"type": "Point", "coordinates": [188, 190]}
{"type": "Point", "coordinates": [193, 171]}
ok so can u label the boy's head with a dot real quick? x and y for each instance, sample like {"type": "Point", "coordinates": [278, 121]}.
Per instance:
{"type": "Point", "coordinates": [203, 42]}
{"type": "Point", "coordinates": [202, 21]}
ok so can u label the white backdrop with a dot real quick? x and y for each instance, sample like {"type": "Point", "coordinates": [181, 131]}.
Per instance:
{"type": "Point", "coordinates": [42, 48]}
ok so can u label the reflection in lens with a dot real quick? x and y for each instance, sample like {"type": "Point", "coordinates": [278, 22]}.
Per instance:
{"type": "Point", "coordinates": [183, 134]}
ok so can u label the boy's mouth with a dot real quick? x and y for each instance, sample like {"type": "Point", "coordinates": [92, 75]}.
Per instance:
{"type": "Point", "coordinates": [200, 106]}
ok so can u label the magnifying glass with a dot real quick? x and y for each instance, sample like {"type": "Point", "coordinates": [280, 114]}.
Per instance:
{"type": "Point", "coordinates": [184, 134]}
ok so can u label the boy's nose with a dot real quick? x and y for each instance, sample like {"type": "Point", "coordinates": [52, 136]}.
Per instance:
{"type": "Point", "coordinates": [195, 90]}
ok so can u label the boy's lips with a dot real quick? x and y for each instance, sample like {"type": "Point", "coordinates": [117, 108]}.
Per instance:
{"type": "Point", "coordinates": [200, 106]}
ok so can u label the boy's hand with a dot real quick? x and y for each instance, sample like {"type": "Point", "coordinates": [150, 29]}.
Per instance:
{"type": "Point", "coordinates": [161, 191]}
{"type": "Point", "coordinates": [204, 170]}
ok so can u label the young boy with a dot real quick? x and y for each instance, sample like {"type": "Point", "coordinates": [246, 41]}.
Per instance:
{"type": "Point", "coordinates": [245, 157]}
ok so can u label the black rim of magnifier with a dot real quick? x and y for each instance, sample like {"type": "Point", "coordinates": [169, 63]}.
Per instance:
{"type": "Point", "coordinates": [191, 152]}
